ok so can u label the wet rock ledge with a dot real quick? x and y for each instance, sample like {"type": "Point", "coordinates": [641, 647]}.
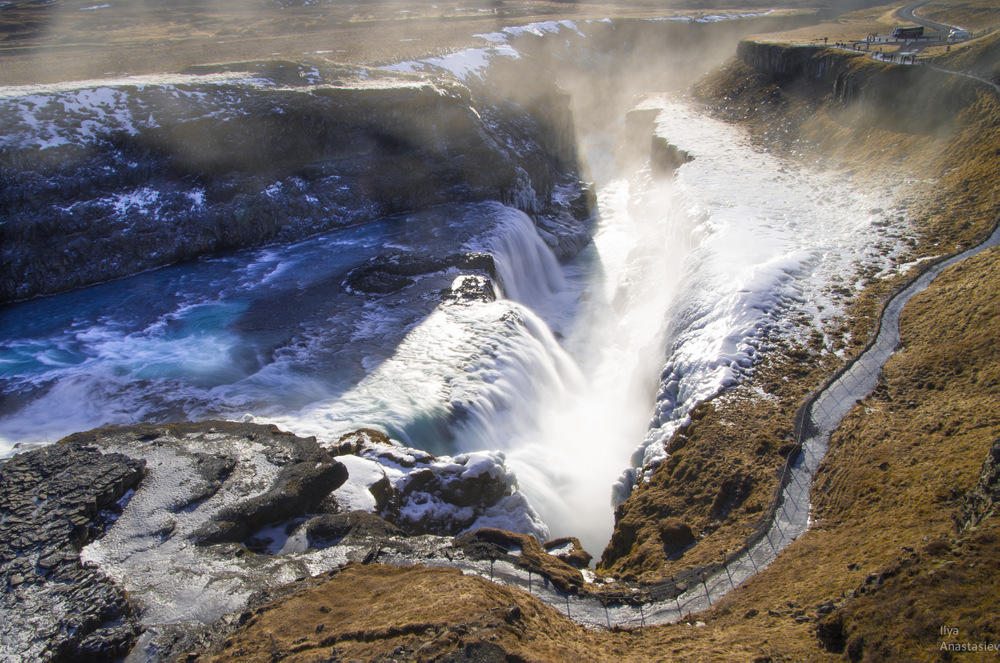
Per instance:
{"type": "Point", "coordinates": [158, 538]}
{"type": "Point", "coordinates": [53, 502]}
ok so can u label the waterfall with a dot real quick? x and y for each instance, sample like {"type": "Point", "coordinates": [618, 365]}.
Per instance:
{"type": "Point", "coordinates": [528, 271]}
{"type": "Point", "coordinates": [576, 373]}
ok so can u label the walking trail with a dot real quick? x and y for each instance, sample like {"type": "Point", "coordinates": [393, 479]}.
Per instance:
{"type": "Point", "coordinates": [789, 516]}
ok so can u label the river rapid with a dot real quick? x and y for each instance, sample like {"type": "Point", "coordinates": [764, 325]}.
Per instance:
{"type": "Point", "coordinates": [578, 372]}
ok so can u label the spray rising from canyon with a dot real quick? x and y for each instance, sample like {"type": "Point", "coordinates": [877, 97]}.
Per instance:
{"type": "Point", "coordinates": [578, 372]}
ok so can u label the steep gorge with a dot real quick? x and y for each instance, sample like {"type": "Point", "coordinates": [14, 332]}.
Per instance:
{"type": "Point", "coordinates": [142, 174]}
{"type": "Point", "coordinates": [844, 109]}
{"type": "Point", "coordinates": [884, 568]}
{"type": "Point", "coordinates": [801, 102]}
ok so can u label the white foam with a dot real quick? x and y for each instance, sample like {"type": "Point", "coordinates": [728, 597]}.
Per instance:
{"type": "Point", "coordinates": [770, 239]}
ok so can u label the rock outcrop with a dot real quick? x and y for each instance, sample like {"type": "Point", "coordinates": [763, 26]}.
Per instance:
{"type": "Point", "coordinates": [523, 551]}
{"type": "Point", "coordinates": [917, 100]}
{"type": "Point", "coordinates": [103, 182]}
{"type": "Point", "coordinates": [145, 537]}
{"type": "Point", "coordinates": [981, 501]}
{"type": "Point", "coordinates": [90, 524]}
{"type": "Point", "coordinates": [53, 502]}
{"type": "Point", "coordinates": [425, 494]}
{"type": "Point", "coordinates": [665, 158]}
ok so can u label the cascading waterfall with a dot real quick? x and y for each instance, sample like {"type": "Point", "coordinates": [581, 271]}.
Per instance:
{"type": "Point", "coordinates": [568, 456]}
{"type": "Point", "coordinates": [574, 371]}
{"type": "Point", "coordinates": [465, 371]}
{"type": "Point", "coordinates": [528, 272]}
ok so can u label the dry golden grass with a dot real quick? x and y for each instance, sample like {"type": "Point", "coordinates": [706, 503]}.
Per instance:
{"type": "Point", "coordinates": [903, 460]}
{"type": "Point", "coordinates": [360, 612]}
{"type": "Point", "coordinates": [973, 15]}
{"type": "Point", "coordinates": [854, 26]}
{"type": "Point", "coordinates": [722, 472]}
{"type": "Point", "coordinates": [980, 57]}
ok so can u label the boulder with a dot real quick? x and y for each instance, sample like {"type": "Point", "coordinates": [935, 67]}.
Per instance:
{"type": "Point", "coordinates": [353, 527]}
{"type": "Point", "coordinates": [676, 537]}
{"type": "Point", "coordinates": [570, 550]}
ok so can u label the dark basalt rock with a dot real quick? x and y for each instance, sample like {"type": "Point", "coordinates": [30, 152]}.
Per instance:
{"type": "Point", "coordinates": [665, 158]}
{"type": "Point", "coordinates": [207, 497]}
{"type": "Point", "coordinates": [391, 272]}
{"type": "Point", "coordinates": [353, 527]}
{"type": "Point", "coordinates": [471, 288]}
{"type": "Point", "coordinates": [205, 168]}
{"type": "Point", "coordinates": [299, 489]}
{"type": "Point", "coordinates": [54, 501]}
{"type": "Point", "coordinates": [57, 499]}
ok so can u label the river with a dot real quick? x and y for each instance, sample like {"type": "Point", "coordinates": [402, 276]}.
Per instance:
{"type": "Point", "coordinates": [577, 372]}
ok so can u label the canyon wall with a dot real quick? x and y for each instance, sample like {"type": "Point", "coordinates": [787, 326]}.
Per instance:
{"type": "Point", "coordinates": [883, 123]}
{"type": "Point", "coordinates": [907, 99]}
{"type": "Point", "coordinates": [103, 182]}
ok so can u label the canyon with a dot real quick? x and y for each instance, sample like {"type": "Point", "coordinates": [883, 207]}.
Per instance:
{"type": "Point", "coordinates": [469, 144]}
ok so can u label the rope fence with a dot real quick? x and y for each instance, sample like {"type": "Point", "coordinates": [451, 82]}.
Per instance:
{"type": "Point", "coordinates": [786, 519]}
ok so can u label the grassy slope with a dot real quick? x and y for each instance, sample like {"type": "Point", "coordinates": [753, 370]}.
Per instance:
{"type": "Point", "coordinates": [722, 472]}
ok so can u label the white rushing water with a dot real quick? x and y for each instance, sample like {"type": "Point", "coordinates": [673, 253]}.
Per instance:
{"type": "Point", "coordinates": [771, 239]}
{"type": "Point", "coordinates": [690, 278]}
{"type": "Point", "coordinates": [686, 281]}
{"type": "Point", "coordinates": [578, 374]}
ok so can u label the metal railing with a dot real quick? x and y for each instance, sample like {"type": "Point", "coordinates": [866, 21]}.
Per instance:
{"type": "Point", "coordinates": [786, 519]}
